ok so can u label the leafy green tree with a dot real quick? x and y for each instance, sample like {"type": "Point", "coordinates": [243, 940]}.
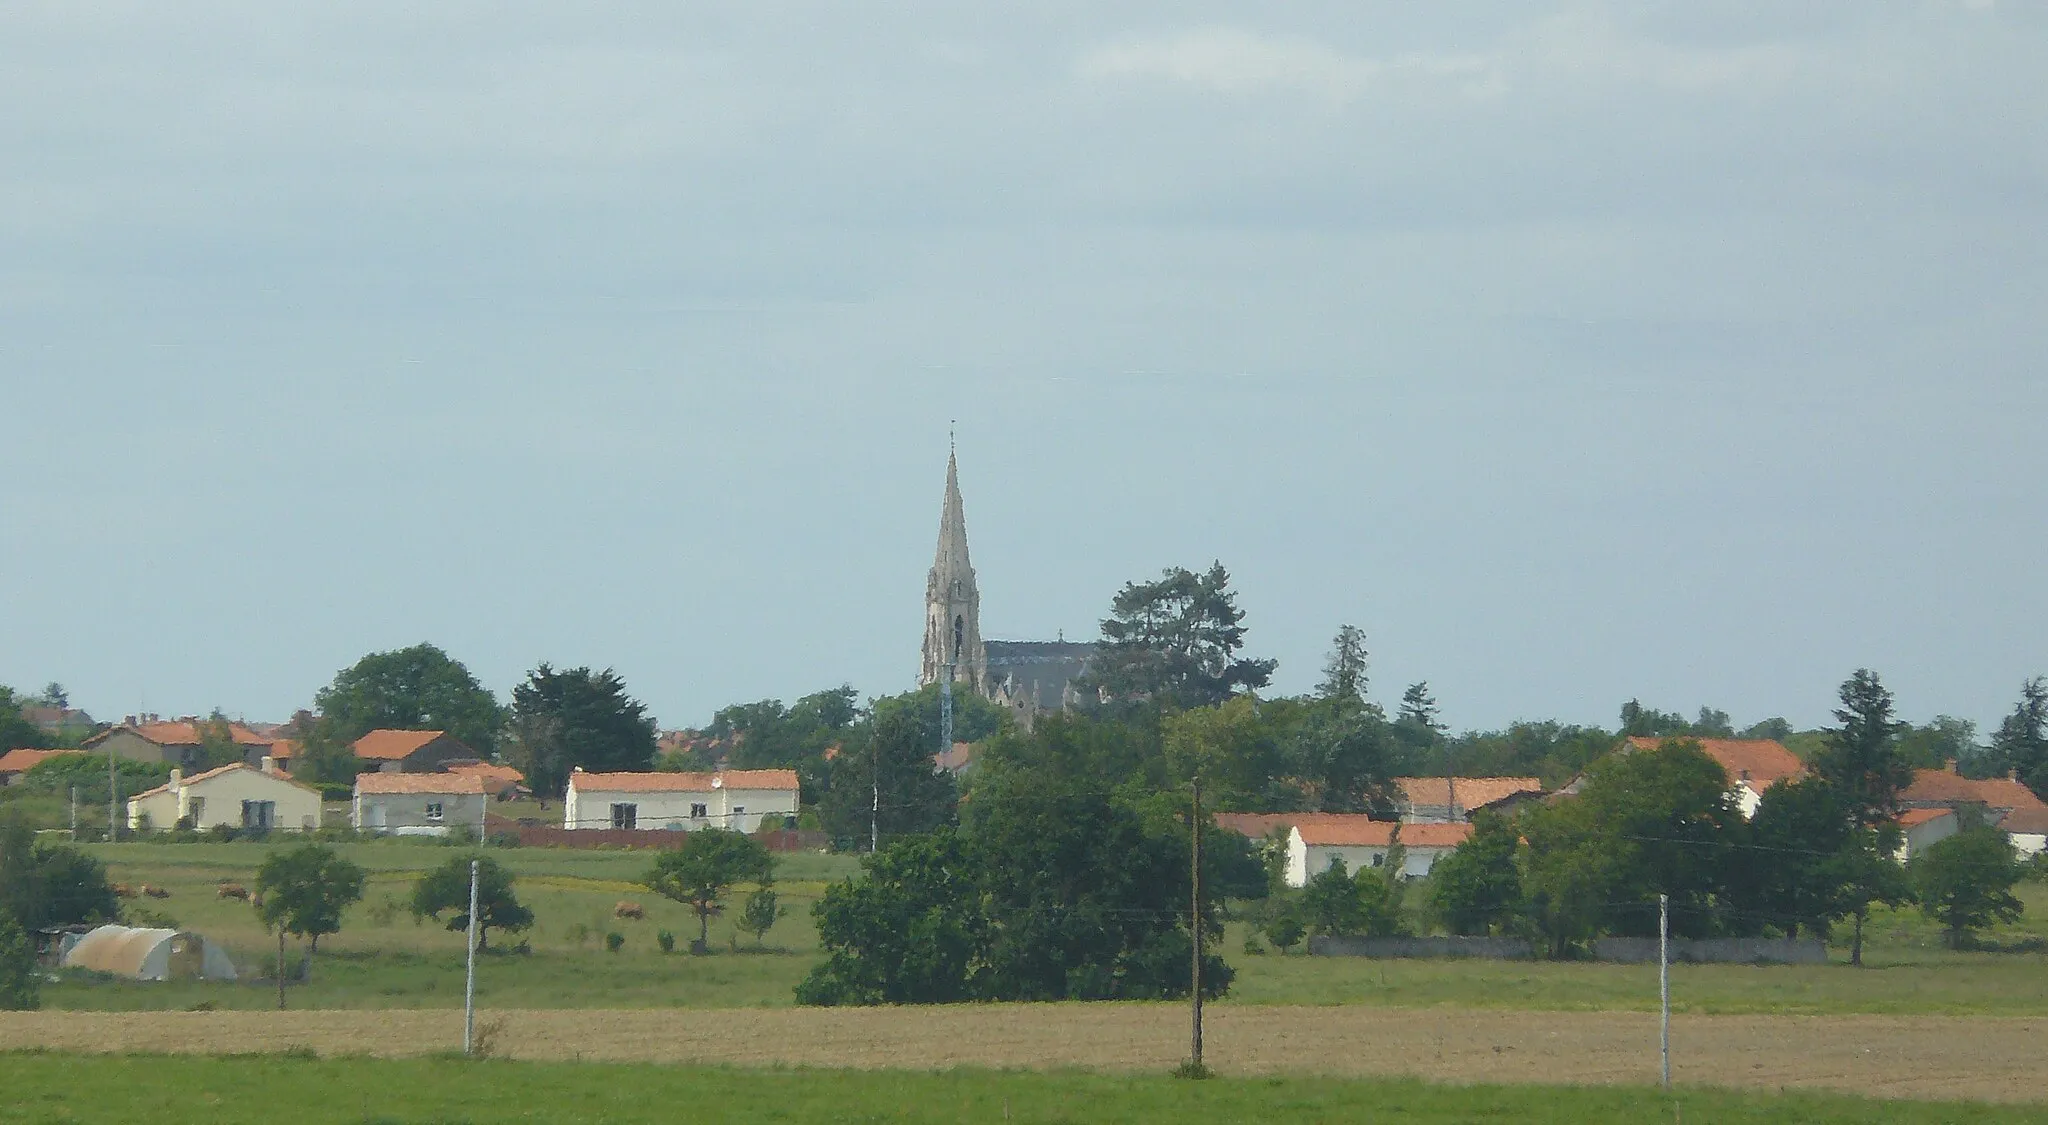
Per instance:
{"type": "Point", "coordinates": [1798, 839]}
{"type": "Point", "coordinates": [21, 981]}
{"type": "Point", "coordinates": [44, 884]}
{"type": "Point", "coordinates": [1174, 642]}
{"type": "Point", "coordinates": [217, 745]}
{"type": "Point", "coordinates": [17, 732]}
{"type": "Point", "coordinates": [1478, 887]}
{"type": "Point", "coordinates": [304, 891]}
{"type": "Point", "coordinates": [908, 931]}
{"type": "Point", "coordinates": [1638, 721]}
{"type": "Point", "coordinates": [883, 779]}
{"type": "Point", "coordinates": [1555, 752]}
{"type": "Point", "coordinates": [1775, 729]}
{"type": "Point", "coordinates": [1418, 728]}
{"type": "Point", "coordinates": [324, 757]}
{"type": "Point", "coordinates": [1868, 875]}
{"type": "Point", "coordinates": [1344, 673]}
{"type": "Point", "coordinates": [88, 774]}
{"type": "Point", "coordinates": [577, 717]}
{"type": "Point", "coordinates": [417, 688]}
{"type": "Point", "coordinates": [1965, 882]}
{"type": "Point", "coordinates": [445, 890]}
{"type": "Point", "coordinates": [1347, 757]}
{"type": "Point", "coordinates": [1381, 892]}
{"type": "Point", "coordinates": [758, 915]}
{"type": "Point", "coordinates": [1712, 723]}
{"type": "Point", "coordinates": [1942, 740]}
{"type": "Point", "coordinates": [1329, 902]}
{"type": "Point", "coordinates": [1284, 929]}
{"type": "Point", "coordinates": [2021, 743]}
{"type": "Point", "coordinates": [1860, 758]}
{"type": "Point", "coordinates": [707, 865]}
{"type": "Point", "coordinates": [1043, 894]}
{"type": "Point", "coordinates": [766, 735]}
{"type": "Point", "coordinates": [1235, 753]}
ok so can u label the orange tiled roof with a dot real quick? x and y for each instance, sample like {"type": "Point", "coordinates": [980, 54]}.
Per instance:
{"type": "Point", "coordinates": [451, 782]}
{"type": "Point", "coordinates": [1930, 786]}
{"type": "Point", "coordinates": [1473, 792]}
{"type": "Point", "coordinates": [185, 733]}
{"type": "Point", "coordinates": [1352, 830]}
{"type": "Point", "coordinates": [1914, 818]}
{"type": "Point", "coordinates": [2033, 821]}
{"type": "Point", "coordinates": [216, 772]}
{"type": "Point", "coordinates": [490, 772]}
{"type": "Point", "coordinates": [24, 760]}
{"type": "Point", "coordinates": [1757, 763]}
{"type": "Point", "coordinates": [393, 745]}
{"type": "Point", "coordinates": [681, 782]}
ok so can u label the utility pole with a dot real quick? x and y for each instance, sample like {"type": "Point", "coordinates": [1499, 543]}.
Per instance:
{"type": "Point", "coordinates": [113, 800]}
{"type": "Point", "coordinates": [1195, 924]}
{"type": "Point", "coordinates": [1664, 981]}
{"type": "Point", "coordinates": [469, 984]}
{"type": "Point", "coordinates": [74, 814]}
{"type": "Point", "coordinates": [946, 708]}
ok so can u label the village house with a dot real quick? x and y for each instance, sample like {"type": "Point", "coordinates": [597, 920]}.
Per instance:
{"type": "Point", "coordinates": [1920, 829]}
{"type": "Point", "coordinates": [175, 743]}
{"type": "Point", "coordinates": [1752, 764]}
{"type": "Point", "coordinates": [737, 799]}
{"type": "Point", "coordinates": [1315, 842]}
{"type": "Point", "coordinates": [2003, 801]}
{"type": "Point", "coordinates": [1446, 800]}
{"type": "Point", "coordinates": [14, 763]}
{"type": "Point", "coordinates": [237, 796]}
{"type": "Point", "coordinates": [428, 804]}
{"type": "Point", "coordinates": [410, 751]}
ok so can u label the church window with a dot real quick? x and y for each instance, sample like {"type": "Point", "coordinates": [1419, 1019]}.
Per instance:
{"type": "Point", "coordinates": [959, 635]}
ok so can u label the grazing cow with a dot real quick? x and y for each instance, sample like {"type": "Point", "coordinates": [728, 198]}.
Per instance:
{"type": "Point", "coordinates": [232, 890]}
{"type": "Point", "coordinates": [155, 892]}
{"type": "Point", "coordinates": [123, 890]}
{"type": "Point", "coordinates": [628, 910]}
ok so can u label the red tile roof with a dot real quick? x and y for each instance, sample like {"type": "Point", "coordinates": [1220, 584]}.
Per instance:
{"type": "Point", "coordinates": [184, 733]}
{"type": "Point", "coordinates": [682, 782]}
{"type": "Point", "coordinates": [1941, 786]}
{"type": "Point", "coordinates": [1757, 763]}
{"type": "Point", "coordinates": [1472, 792]}
{"type": "Point", "coordinates": [490, 772]}
{"type": "Point", "coordinates": [216, 772]}
{"type": "Point", "coordinates": [1351, 830]}
{"type": "Point", "coordinates": [24, 760]}
{"type": "Point", "coordinates": [453, 783]}
{"type": "Point", "coordinates": [393, 745]}
{"type": "Point", "coordinates": [1914, 818]}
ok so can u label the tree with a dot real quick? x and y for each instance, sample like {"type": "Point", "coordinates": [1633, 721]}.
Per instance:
{"type": "Point", "coordinates": [88, 774]}
{"type": "Point", "coordinates": [304, 891]}
{"type": "Point", "coordinates": [707, 865]}
{"type": "Point", "coordinates": [1235, 754]}
{"type": "Point", "coordinates": [1418, 728]}
{"type": "Point", "coordinates": [1174, 642]}
{"type": "Point", "coordinates": [1868, 875]}
{"type": "Point", "coordinates": [1776, 729]}
{"type": "Point", "coordinates": [445, 889]}
{"type": "Point", "coordinates": [2021, 743]}
{"type": "Point", "coordinates": [577, 717]}
{"type": "Point", "coordinates": [54, 695]}
{"type": "Point", "coordinates": [21, 980]}
{"type": "Point", "coordinates": [759, 913]}
{"type": "Point", "coordinates": [1638, 721]}
{"type": "Point", "coordinates": [1344, 673]}
{"type": "Point", "coordinates": [17, 732]}
{"type": "Point", "coordinates": [43, 884]}
{"type": "Point", "coordinates": [324, 757]}
{"type": "Point", "coordinates": [1965, 881]}
{"type": "Point", "coordinates": [417, 688]}
{"type": "Point", "coordinates": [1329, 902]}
{"type": "Point", "coordinates": [1944, 739]}
{"type": "Point", "coordinates": [217, 745]}
{"type": "Point", "coordinates": [1045, 893]}
{"type": "Point", "coordinates": [1347, 755]}
{"type": "Point", "coordinates": [1713, 724]}
{"type": "Point", "coordinates": [1799, 840]}
{"type": "Point", "coordinates": [1477, 888]}
{"type": "Point", "coordinates": [1860, 758]}
{"type": "Point", "coordinates": [883, 780]}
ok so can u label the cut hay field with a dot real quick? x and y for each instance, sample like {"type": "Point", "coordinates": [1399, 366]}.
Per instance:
{"type": "Point", "coordinates": [258, 1090]}
{"type": "Point", "coordinates": [383, 959]}
{"type": "Point", "coordinates": [1977, 1058]}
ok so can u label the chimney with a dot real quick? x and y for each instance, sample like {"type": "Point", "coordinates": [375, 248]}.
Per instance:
{"type": "Point", "coordinates": [177, 779]}
{"type": "Point", "coordinates": [1951, 766]}
{"type": "Point", "coordinates": [2012, 775]}
{"type": "Point", "coordinates": [269, 765]}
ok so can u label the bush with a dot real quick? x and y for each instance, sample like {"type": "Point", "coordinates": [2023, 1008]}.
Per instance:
{"type": "Point", "coordinates": [21, 985]}
{"type": "Point", "coordinates": [614, 941]}
{"type": "Point", "coordinates": [148, 918]}
{"type": "Point", "coordinates": [222, 833]}
{"type": "Point", "coordinates": [666, 940]}
{"type": "Point", "coordinates": [505, 838]}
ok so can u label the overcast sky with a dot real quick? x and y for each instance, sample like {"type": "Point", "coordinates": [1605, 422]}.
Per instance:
{"type": "Point", "coordinates": [1687, 351]}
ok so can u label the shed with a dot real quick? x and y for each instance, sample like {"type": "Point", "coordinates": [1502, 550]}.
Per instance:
{"type": "Point", "coordinates": [148, 954]}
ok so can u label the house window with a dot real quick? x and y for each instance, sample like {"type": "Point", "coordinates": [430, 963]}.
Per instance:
{"type": "Point", "coordinates": [433, 810]}
{"type": "Point", "coordinates": [699, 812]}
{"type": "Point", "coordinates": [738, 812]}
{"type": "Point", "coordinates": [1379, 859]}
{"type": "Point", "coordinates": [195, 810]}
{"type": "Point", "coordinates": [625, 816]}
{"type": "Point", "coordinates": [259, 814]}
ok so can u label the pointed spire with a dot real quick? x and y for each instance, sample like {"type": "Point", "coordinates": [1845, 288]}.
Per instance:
{"type": "Point", "coordinates": [951, 562]}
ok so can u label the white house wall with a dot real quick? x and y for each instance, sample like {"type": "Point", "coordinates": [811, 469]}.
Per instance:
{"type": "Point", "coordinates": [373, 811]}
{"type": "Point", "coordinates": [723, 807]}
{"type": "Point", "coordinates": [1306, 861]}
{"type": "Point", "coordinates": [297, 809]}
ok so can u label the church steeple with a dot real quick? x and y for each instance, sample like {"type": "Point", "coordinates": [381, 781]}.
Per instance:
{"type": "Point", "coordinates": [952, 604]}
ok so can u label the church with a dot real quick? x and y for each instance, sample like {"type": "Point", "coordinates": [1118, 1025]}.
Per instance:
{"type": "Point", "coordinates": [1024, 677]}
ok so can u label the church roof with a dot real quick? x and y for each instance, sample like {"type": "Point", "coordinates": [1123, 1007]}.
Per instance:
{"type": "Point", "coordinates": [951, 559]}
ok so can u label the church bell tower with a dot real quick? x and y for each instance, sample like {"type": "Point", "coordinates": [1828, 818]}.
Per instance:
{"type": "Point", "coordinates": [952, 604]}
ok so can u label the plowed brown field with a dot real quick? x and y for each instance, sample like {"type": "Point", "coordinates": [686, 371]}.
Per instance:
{"type": "Point", "coordinates": [1887, 1056]}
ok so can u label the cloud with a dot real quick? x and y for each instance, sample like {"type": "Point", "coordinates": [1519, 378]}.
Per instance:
{"type": "Point", "coordinates": [1231, 61]}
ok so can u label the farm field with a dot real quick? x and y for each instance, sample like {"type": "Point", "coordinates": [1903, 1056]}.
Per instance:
{"type": "Point", "coordinates": [1976, 1058]}
{"type": "Point", "coordinates": [383, 959]}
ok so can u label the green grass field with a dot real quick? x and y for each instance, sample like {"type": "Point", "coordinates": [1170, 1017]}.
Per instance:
{"type": "Point", "coordinates": [383, 959]}
{"type": "Point", "coordinates": [261, 1089]}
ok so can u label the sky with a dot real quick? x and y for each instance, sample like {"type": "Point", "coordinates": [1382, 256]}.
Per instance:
{"type": "Point", "coordinates": [1689, 351]}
